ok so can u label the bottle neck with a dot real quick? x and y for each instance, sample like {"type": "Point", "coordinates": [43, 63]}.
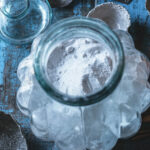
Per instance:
{"type": "Point", "coordinates": [14, 8]}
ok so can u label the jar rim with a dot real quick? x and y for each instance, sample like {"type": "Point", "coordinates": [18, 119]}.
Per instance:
{"type": "Point", "coordinates": [16, 16]}
{"type": "Point", "coordinates": [97, 26]}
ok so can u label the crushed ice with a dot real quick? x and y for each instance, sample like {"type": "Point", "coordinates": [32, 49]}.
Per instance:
{"type": "Point", "coordinates": [99, 126]}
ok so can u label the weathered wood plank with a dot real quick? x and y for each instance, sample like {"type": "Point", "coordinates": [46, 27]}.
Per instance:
{"type": "Point", "coordinates": [11, 55]}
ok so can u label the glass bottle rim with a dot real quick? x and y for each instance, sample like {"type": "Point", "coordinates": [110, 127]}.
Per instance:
{"type": "Point", "coordinates": [98, 27]}
{"type": "Point", "coordinates": [46, 20]}
{"type": "Point", "coordinates": [18, 16]}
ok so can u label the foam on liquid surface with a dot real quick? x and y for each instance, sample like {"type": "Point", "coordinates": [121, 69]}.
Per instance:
{"type": "Point", "coordinates": [80, 66]}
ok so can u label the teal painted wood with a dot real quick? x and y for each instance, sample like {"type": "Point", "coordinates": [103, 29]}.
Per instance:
{"type": "Point", "coordinates": [11, 55]}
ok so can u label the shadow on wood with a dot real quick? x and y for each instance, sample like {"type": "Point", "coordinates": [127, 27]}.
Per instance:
{"type": "Point", "coordinates": [141, 36]}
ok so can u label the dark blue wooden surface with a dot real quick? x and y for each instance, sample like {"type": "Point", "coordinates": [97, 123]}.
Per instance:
{"type": "Point", "coordinates": [11, 55]}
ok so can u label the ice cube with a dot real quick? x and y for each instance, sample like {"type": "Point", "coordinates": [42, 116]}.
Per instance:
{"type": "Point", "coordinates": [23, 101]}
{"type": "Point", "coordinates": [125, 39]}
{"type": "Point", "coordinates": [130, 121]}
{"type": "Point", "coordinates": [39, 123]}
{"type": "Point", "coordinates": [64, 126]}
{"type": "Point", "coordinates": [38, 97]}
{"type": "Point", "coordinates": [25, 70]}
{"type": "Point", "coordinates": [40, 134]}
{"type": "Point", "coordinates": [98, 130]}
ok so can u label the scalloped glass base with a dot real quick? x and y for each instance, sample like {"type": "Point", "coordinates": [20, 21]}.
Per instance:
{"type": "Point", "coordinates": [29, 25]}
{"type": "Point", "coordinates": [96, 127]}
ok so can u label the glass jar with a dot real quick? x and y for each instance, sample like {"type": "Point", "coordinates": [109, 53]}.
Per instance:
{"type": "Point", "coordinates": [23, 20]}
{"type": "Point", "coordinates": [107, 107]}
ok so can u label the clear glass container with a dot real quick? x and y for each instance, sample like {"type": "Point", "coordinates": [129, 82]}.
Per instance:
{"type": "Point", "coordinates": [23, 20]}
{"type": "Point", "coordinates": [84, 85]}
